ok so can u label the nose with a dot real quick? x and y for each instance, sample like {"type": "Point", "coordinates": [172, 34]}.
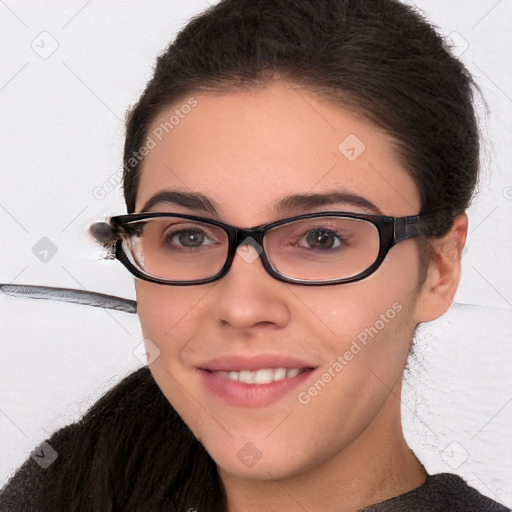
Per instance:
{"type": "Point", "coordinates": [247, 297]}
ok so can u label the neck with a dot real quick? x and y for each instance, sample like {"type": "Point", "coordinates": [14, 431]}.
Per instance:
{"type": "Point", "coordinates": [376, 466]}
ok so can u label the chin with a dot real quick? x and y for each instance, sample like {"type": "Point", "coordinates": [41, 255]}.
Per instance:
{"type": "Point", "coordinates": [258, 459]}
{"type": "Point", "coordinates": [280, 467]}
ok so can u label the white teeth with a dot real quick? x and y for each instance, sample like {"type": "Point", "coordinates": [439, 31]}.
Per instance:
{"type": "Point", "coordinates": [279, 373]}
{"type": "Point", "coordinates": [264, 376]}
{"type": "Point", "coordinates": [247, 376]}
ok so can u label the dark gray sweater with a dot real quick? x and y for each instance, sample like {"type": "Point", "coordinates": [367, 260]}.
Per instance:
{"type": "Point", "coordinates": [443, 492]}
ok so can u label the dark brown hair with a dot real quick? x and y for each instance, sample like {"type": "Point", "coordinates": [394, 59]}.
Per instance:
{"type": "Point", "coordinates": [379, 58]}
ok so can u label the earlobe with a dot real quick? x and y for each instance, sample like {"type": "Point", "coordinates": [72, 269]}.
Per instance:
{"type": "Point", "coordinates": [443, 273]}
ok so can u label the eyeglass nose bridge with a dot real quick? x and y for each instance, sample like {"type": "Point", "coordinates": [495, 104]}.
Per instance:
{"type": "Point", "coordinates": [250, 236]}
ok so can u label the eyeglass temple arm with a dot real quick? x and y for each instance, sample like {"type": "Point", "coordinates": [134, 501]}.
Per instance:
{"type": "Point", "coordinates": [408, 227]}
{"type": "Point", "coordinates": [83, 297]}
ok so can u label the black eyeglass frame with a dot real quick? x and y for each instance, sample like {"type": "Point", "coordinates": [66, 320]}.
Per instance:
{"type": "Point", "coordinates": [392, 230]}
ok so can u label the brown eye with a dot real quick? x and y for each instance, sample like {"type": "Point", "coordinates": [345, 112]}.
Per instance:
{"type": "Point", "coordinates": [322, 239]}
{"type": "Point", "coordinates": [186, 238]}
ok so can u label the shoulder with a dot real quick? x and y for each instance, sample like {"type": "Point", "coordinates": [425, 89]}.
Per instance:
{"type": "Point", "coordinates": [443, 492]}
{"type": "Point", "coordinates": [79, 453]}
{"type": "Point", "coordinates": [457, 494]}
{"type": "Point", "coordinates": [38, 472]}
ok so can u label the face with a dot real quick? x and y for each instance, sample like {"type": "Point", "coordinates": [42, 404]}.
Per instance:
{"type": "Point", "coordinates": [246, 151]}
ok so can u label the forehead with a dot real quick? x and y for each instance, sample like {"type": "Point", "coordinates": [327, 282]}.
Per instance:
{"type": "Point", "coordinates": [247, 150]}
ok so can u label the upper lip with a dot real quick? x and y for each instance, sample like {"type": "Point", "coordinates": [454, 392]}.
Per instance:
{"type": "Point", "coordinates": [253, 363]}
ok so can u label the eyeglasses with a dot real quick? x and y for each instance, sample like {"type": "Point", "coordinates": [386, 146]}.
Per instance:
{"type": "Point", "coordinates": [323, 248]}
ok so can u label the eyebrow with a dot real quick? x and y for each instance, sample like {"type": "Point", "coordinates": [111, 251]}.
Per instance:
{"type": "Point", "coordinates": [292, 203]}
{"type": "Point", "coordinates": [287, 205]}
{"type": "Point", "coordinates": [192, 200]}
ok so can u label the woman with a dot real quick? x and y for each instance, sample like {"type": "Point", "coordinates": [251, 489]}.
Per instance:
{"type": "Point", "coordinates": [296, 175]}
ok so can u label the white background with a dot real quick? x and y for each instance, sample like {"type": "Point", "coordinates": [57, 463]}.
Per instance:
{"type": "Point", "coordinates": [62, 134]}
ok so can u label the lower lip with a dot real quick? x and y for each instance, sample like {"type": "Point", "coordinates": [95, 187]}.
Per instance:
{"type": "Point", "coordinates": [240, 394]}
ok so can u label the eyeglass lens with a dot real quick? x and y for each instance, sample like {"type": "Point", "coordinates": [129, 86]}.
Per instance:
{"type": "Point", "coordinates": [316, 249]}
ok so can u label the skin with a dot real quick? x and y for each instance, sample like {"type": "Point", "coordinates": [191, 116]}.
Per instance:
{"type": "Point", "coordinates": [345, 449]}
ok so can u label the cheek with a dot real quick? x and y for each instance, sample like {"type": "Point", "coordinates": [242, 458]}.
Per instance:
{"type": "Point", "coordinates": [169, 315]}
{"type": "Point", "coordinates": [359, 333]}
{"type": "Point", "coordinates": [370, 321]}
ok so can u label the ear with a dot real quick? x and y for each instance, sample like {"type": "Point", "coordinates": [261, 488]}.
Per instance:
{"type": "Point", "coordinates": [443, 273]}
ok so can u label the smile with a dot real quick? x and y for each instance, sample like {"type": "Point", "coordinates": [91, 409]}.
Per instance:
{"type": "Point", "coordinates": [264, 376]}
{"type": "Point", "coordinates": [253, 388]}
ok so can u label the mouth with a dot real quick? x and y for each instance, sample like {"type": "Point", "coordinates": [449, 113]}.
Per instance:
{"type": "Point", "coordinates": [254, 382]}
